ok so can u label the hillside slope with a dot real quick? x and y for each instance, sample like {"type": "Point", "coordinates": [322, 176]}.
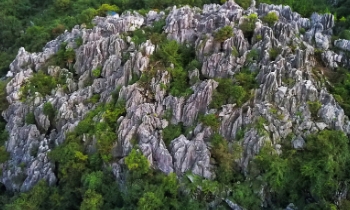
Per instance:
{"type": "Point", "coordinates": [232, 101]}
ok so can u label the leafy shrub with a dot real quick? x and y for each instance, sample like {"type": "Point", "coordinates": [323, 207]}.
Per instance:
{"type": "Point", "coordinates": [252, 55]}
{"type": "Point", "coordinates": [302, 30]}
{"type": "Point", "coordinates": [94, 99]}
{"type": "Point", "coordinates": [96, 72]}
{"type": "Point", "coordinates": [243, 3]}
{"type": "Point", "coordinates": [49, 110]}
{"type": "Point", "coordinates": [79, 41]}
{"type": "Point", "coordinates": [158, 26]}
{"type": "Point", "coordinates": [248, 25]}
{"type": "Point", "coordinates": [224, 157]}
{"type": "Point", "coordinates": [113, 112]}
{"type": "Point", "coordinates": [314, 107]}
{"type": "Point", "coordinates": [227, 92]}
{"type": "Point", "coordinates": [211, 120]}
{"type": "Point", "coordinates": [106, 136]}
{"type": "Point", "coordinates": [274, 52]}
{"type": "Point", "coordinates": [4, 155]}
{"type": "Point", "coordinates": [30, 118]}
{"type": "Point", "coordinates": [270, 18]}
{"type": "Point", "coordinates": [223, 33]}
{"type": "Point", "coordinates": [179, 84]}
{"type": "Point", "coordinates": [139, 36]}
{"type": "Point", "coordinates": [171, 132]}
{"type": "Point", "coordinates": [3, 101]}
{"type": "Point", "coordinates": [260, 125]}
{"type": "Point", "coordinates": [64, 56]}
{"type": "Point", "coordinates": [234, 51]}
{"type": "Point", "coordinates": [246, 79]}
{"type": "Point", "coordinates": [104, 8]}
{"type": "Point", "coordinates": [135, 161]}
{"type": "Point", "coordinates": [320, 165]}
{"type": "Point", "coordinates": [345, 34]}
{"type": "Point", "coordinates": [39, 82]}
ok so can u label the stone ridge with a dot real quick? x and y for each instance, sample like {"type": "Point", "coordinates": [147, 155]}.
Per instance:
{"type": "Point", "coordinates": [285, 84]}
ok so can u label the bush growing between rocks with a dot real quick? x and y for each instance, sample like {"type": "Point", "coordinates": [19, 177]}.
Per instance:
{"type": "Point", "coordinates": [49, 110]}
{"type": "Point", "coordinates": [271, 18]}
{"type": "Point", "coordinates": [171, 132]}
{"type": "Point", "coordinates": [39, 82]}
{"type": "Point", "coordinates": [211, 120]}
{"type": "Point", "coordinates": [314, 107]}
{"type": "Point", "coordinates": [248, 25]}
{"type": "Point", "coordinates": [30, 118]}
{"type": "Point", "coordinates": [223, 33]}
{"type": "Point", "coordinates": [96, 72]}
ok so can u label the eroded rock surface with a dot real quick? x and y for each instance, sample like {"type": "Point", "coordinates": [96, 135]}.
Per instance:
{"type": "Point", "coordinates": [279, 104]}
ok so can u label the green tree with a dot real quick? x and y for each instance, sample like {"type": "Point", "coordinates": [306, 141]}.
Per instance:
{"type": "Point", "coordinates": [104, 8]}
{"type": "Point", "coordinates": [92, 200]}
{"type": "Point", "coordinates": [270, 18]}
{"type": "Point", "coordinates": [137, 163]}
{"type": "Point", "coordinates": [149, 201]}
{"type": "Point", "coordinates": [223, 33]}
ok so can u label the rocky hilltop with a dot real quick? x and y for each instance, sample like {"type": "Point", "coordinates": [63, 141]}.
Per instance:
{"type": "Point", "coordinates": [289, 60]}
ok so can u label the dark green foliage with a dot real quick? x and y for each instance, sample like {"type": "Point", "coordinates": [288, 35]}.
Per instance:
{"type": "Point", "coordinates": [96, 72]}
{"type": "Point", "coordinates": [4, 155]}
{"type": "Point", "coordinates": [39, 82]}
{"type": "Point", "coordinates": [211, 120]}
{"type": "Point", "coordinates": [64, 57]}
{"type": "Point", "coordinates": [237, 92]}
{"type": "Point", "coordinates": [270, 18]}
{"type": "Point", "coordinates": [302, 31]}
{"type": "Point", "coordinates": [248, 25]}
{"type": "Point", "coordinates": [179, 84]}
{"type": "Point", "coordinates": [223, 33]}
{"type": "Point", "coordinates": [224, 157]}
{"type": "Point", "coordinates": [49, 110]}
{"type": "Point", "coordinates": [3, 101]}
{"type": "Point", "coordinates": [314, 107]}
{"type": "Point", "coordinates": [319, 170]}
{"type": "Point", "coordinates": [171, 132]}
{"type": "Point", "coordinates": [341, 89]}
{"type": "Point", "coordinates": [345, 34]}
{"type": "Point", "coordinates": [30, 118]}
{"type": "Point", "coordinates": [274, 52]}
{"type": "Point", "coordinates": [243, 3]}
{"type": "Point", "coordinates": [137, 163]}
{"type": "Point", "coordinates": [94, 99]}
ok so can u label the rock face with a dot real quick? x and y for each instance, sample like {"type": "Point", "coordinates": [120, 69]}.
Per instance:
{"type": "Point", "coordinates": [286, 83]}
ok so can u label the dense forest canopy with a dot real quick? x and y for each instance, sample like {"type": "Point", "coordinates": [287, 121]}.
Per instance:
{"type": "Point", "coordinates": [309, 178]}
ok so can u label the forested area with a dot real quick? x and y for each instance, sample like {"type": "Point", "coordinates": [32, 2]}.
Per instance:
{"type": "Point", "coordinates": [308, 178]}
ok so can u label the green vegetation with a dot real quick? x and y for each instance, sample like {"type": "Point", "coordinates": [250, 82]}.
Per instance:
{"type": "Point", "coordinates": [340, 89]}
{"type": "Point", "coordinates": [236, 91]}
{"type": "Point", "coordinates": [96, 72]}
{"type": "Point", "coordinates": [274, 52]}
{"type": "Point", "coordinates": [248, 25]}
{"type": "Point", "coordinates": [314, 107]}
{"type": "Point", "coordinates": [270, 18]}
{"type": "Point", "coordinates": [223, 33]}
{"type": "Point", "coordinates": [49, 110]}
{"type": "Point", "coordinates": [171, 132]}
{"type": "Point", "coordinates": [211, 120]}
{"type": "Point", "coordinates": [309, 178]}
{"type": "Point", "coordinates": [39, 82]}
{"type": "Point", "coordinates": [30, 118]}
{"type": "Point", "coordinates": [319, 170]}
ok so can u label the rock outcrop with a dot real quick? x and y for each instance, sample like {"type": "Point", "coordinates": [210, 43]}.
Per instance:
{"type": "Point", "coordinates": [286, 82]}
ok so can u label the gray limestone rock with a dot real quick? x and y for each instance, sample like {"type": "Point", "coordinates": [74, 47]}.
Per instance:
{"type": "Point", "coordinates": [277, 109]}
